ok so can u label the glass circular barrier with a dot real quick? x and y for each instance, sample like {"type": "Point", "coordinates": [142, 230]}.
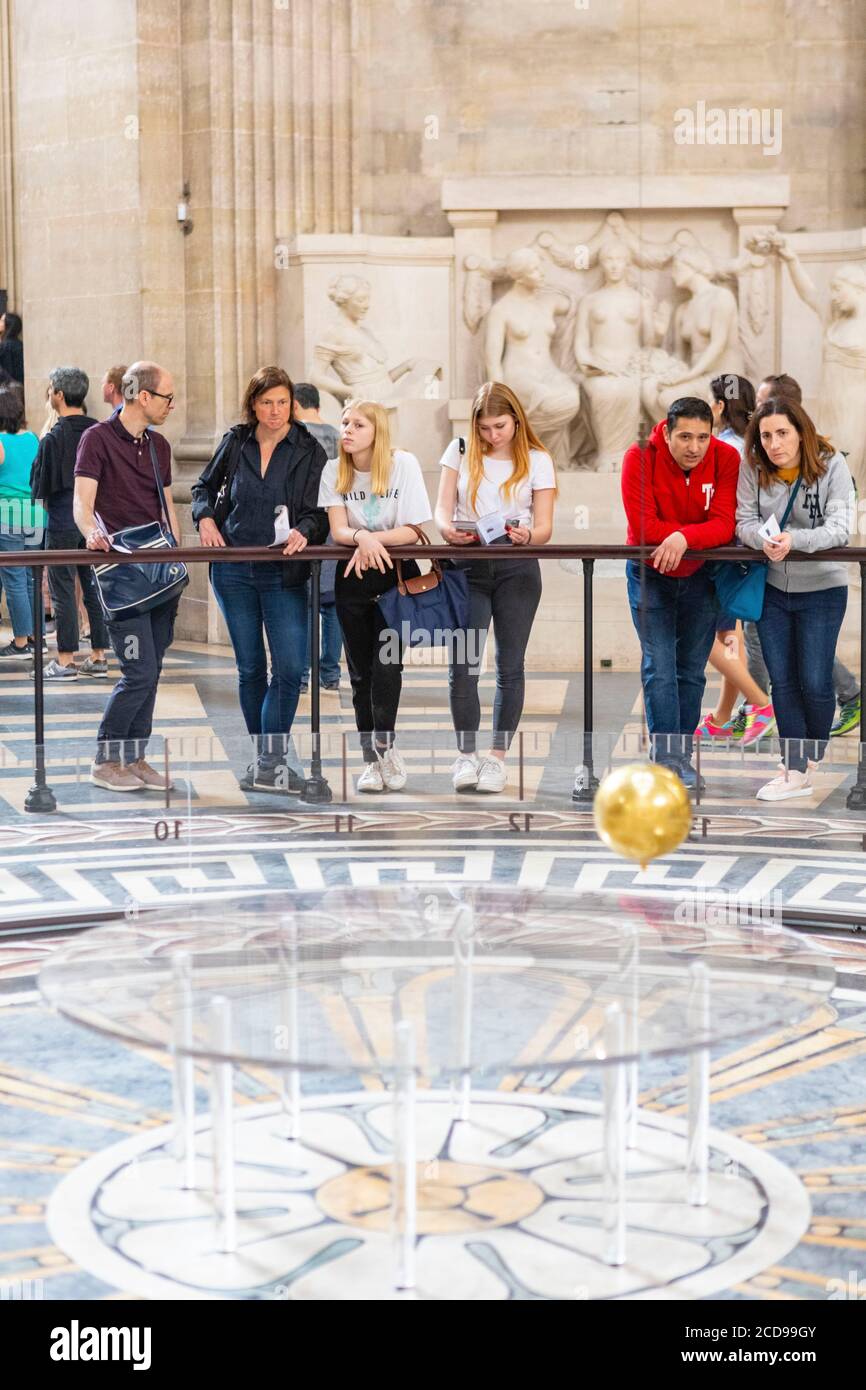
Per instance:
{"type": "Point", "coordinates": [317, 981]}
{"type": "Point", "coordinates": [419, 986]}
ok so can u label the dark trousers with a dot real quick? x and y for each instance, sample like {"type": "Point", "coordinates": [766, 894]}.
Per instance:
{"type": "Point", "coordinates": [506, 593]}
{"type": "Point", "coordinates": [798, 636]}
{"type": "Point", "coordinates": [331, 643]}
{"type": "Point", "coordinates": [139, 645]}
{"type": "Point", "coordinates": [61, 583]}
{"type": "Point", "coordinates": [374, 655]}
{"type": "Point", "coordinates": [675, 620]}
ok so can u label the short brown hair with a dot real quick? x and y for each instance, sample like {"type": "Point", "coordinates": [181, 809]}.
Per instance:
{"type": "Point", "coordinates": [815, 450]}
{"type": "Point", "coordinates": [265, 379]}
{"type": "Point", "coordinates": [114, 376]}
{"type": "Point", "coordinates": [785, 385]}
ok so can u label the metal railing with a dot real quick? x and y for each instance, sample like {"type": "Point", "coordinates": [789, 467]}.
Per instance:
{"type": "Point", "coordinates": [40, 798]}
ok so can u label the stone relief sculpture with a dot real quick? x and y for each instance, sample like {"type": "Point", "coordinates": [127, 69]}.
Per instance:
{"type": "Point", "coordinates": [706, 333]}
{"type": "Point", "coordinates": [841, 413]}
{"type": "Point", "coordinates": [612, 343]}
{"type": "Point", "coordinates": [614, 323]}
{"type": "Point", "coordinates": [518, 336]}
{"type": "Point", "coordinates": [349, 361]}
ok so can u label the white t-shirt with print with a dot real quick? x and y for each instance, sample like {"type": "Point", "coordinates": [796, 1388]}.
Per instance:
{"type": "Point", "coordinates": [405, 500]}
{"type": "Point", "coordinates": [491, 492]}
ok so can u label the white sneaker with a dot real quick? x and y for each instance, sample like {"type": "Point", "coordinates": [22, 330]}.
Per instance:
{"type": "Point", "coordinates": [371, 779]}
{"type": "Point", "coordinates": [393, 770]}
{"type": "Point", "coordinates": [491, 775]}
{"type": "Point", "coordinates": [789, 784]}
{"type": "Point", "coordinates": [464, 776]}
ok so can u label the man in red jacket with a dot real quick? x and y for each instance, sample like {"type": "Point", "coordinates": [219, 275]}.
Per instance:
{"type": "Point", "coordinates": [679, 493]}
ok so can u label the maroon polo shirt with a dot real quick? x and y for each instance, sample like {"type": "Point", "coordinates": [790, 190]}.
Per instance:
{"type": "Point", "coordinates": [126, 493]}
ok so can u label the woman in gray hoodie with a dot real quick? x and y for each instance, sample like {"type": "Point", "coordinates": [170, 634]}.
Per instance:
{"type": "Point", "coordinates": [805, 601]}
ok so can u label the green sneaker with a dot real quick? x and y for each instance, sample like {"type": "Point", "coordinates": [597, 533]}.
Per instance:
{"type": "Point", "coordinates": [738, 723]}
{"type": "Point", "coordinates": [847, 719]}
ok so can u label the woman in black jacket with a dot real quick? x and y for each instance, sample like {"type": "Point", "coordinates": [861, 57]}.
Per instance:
{"type": "Point", "coordinates": [260, 488]}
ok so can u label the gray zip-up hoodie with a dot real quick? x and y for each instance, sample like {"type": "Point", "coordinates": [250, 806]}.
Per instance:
{"type": "Point", "coordinates": [820, 519]}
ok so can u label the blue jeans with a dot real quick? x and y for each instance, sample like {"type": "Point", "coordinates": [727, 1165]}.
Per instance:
{"type": "Point", "coordinates": [18, 581]}
{"type": "Point", "coordinates": [331, 644]}
{"type": "Point", "coordinates": [675, 620]}
{"type": "Point", "coordinates": [253, 602]}
{"type": "Point", "coordinates": [798, 635]}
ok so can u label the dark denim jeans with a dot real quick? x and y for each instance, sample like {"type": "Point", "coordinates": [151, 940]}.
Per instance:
{"type": "Point", "coordinates": [140, 645]}
{"type": "Point", "coordinates": [798, 635]}
{"type": "Point", "coordinates": [675, 620]}
{"type": "Point", "coordinates": [254, 602]}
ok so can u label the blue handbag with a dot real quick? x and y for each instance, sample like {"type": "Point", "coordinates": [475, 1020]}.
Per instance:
{"type": "Point", "coordinates": [427, 609]}
{"type": "Point", "coordinates": [740, 586]}
{"type": "Point", "coordinates": [128, 591]}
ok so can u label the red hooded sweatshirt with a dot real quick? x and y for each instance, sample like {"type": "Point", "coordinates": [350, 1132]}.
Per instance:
{"type": "Point", "coordinates": [660, 497]}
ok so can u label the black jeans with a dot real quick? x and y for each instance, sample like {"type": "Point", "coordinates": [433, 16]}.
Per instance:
{"type": "Point", "coordinates": [375, 666]}
{"type": "Point", "coordinates": [139, 645]}
{"type": "Point", "coordinates": [508, 592]}
{"type": "Point", "coordinates": [61, 583]}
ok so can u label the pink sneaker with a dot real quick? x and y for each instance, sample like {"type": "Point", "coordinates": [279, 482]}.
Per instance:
{"type": "Point", "coordinates": [707, 729]}
{"type": "Point", "coordinates": [760, 721]}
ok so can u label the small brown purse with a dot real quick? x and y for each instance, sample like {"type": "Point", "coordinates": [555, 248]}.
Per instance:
{"type": "Point", "coordinates": [419, 583]}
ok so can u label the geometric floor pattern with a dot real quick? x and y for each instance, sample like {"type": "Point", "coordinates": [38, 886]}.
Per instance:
{"type": "Point", "coordinates": [787, 1216]}
{"type": "Point", "coordinates": [69, 1098]}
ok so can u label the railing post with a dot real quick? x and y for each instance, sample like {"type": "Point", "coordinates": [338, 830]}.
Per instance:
{"type": "Point", "coordinates": [856, 800]}
{"type": "Point", "coordinates": [316, 788]}
{"type": "Point", "coordinates": [585, 780]}
{"type": "Point", "coordinates": [40, 796]}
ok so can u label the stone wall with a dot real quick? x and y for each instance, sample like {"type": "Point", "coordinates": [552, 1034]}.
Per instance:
{"type": "Point", "coordinates": [591, 88]}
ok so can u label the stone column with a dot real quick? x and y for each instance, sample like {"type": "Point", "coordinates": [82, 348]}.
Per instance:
{"type": "Point", "coordinates": [473, 235]}
{"type": "Point", "coordinates": [8, 210]}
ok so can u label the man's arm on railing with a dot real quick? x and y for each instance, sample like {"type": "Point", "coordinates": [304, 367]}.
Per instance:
{"type": "Point", "coordinates": [83, 502]}
{"type": "Point", "coordinates": [172, 516]}
{"type": "Point", "coordinates": [639, 501]}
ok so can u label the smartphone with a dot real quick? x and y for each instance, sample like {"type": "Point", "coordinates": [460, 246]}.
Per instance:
{"type": "Point", "coordinates": [513, 521]}
{"type": "Point", "coordinates": [468, 526]}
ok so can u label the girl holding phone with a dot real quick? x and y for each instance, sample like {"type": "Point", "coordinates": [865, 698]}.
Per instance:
{"type": "Point", "coordinates": [375, 496]}
{"type": "Point", "coordinates": [501, 479]}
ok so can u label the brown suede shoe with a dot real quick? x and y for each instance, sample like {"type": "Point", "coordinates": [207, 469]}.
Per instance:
{"type": "Point", "coordinates": [115, 778]}
{"type": "Point", "coordinates": [148, 776]}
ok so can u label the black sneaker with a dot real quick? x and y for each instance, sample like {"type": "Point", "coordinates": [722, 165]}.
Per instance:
{"type": "Point", "coordinates": [280, 779]}
{"type": "Point", "coordinates": [31, 646]}
{"type": "Point", "coordinates": [17, 653]}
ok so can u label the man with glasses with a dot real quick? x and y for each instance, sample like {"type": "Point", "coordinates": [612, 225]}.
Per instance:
{"type": "Point", "coordinates": [115, 487]}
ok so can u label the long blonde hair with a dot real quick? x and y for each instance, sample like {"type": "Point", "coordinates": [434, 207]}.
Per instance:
{"type": "Point", "coordinates": [380, 470]}
{"type": "Point", "coordinates": [495, 398]}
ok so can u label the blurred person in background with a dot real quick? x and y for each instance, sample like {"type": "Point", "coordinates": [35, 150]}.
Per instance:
{"type": "Point", "coordinates": [22, 522]}
{"type": "Point", "coordinates": [53, 482]}
{"type": "Point", "coordinates": [11, 346]}
{"type": "Point", "coordinates": [307, 412]}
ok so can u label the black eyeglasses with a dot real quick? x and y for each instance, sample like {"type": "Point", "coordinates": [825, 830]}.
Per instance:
{"type": "Point", "coordinates": [162, 396]}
